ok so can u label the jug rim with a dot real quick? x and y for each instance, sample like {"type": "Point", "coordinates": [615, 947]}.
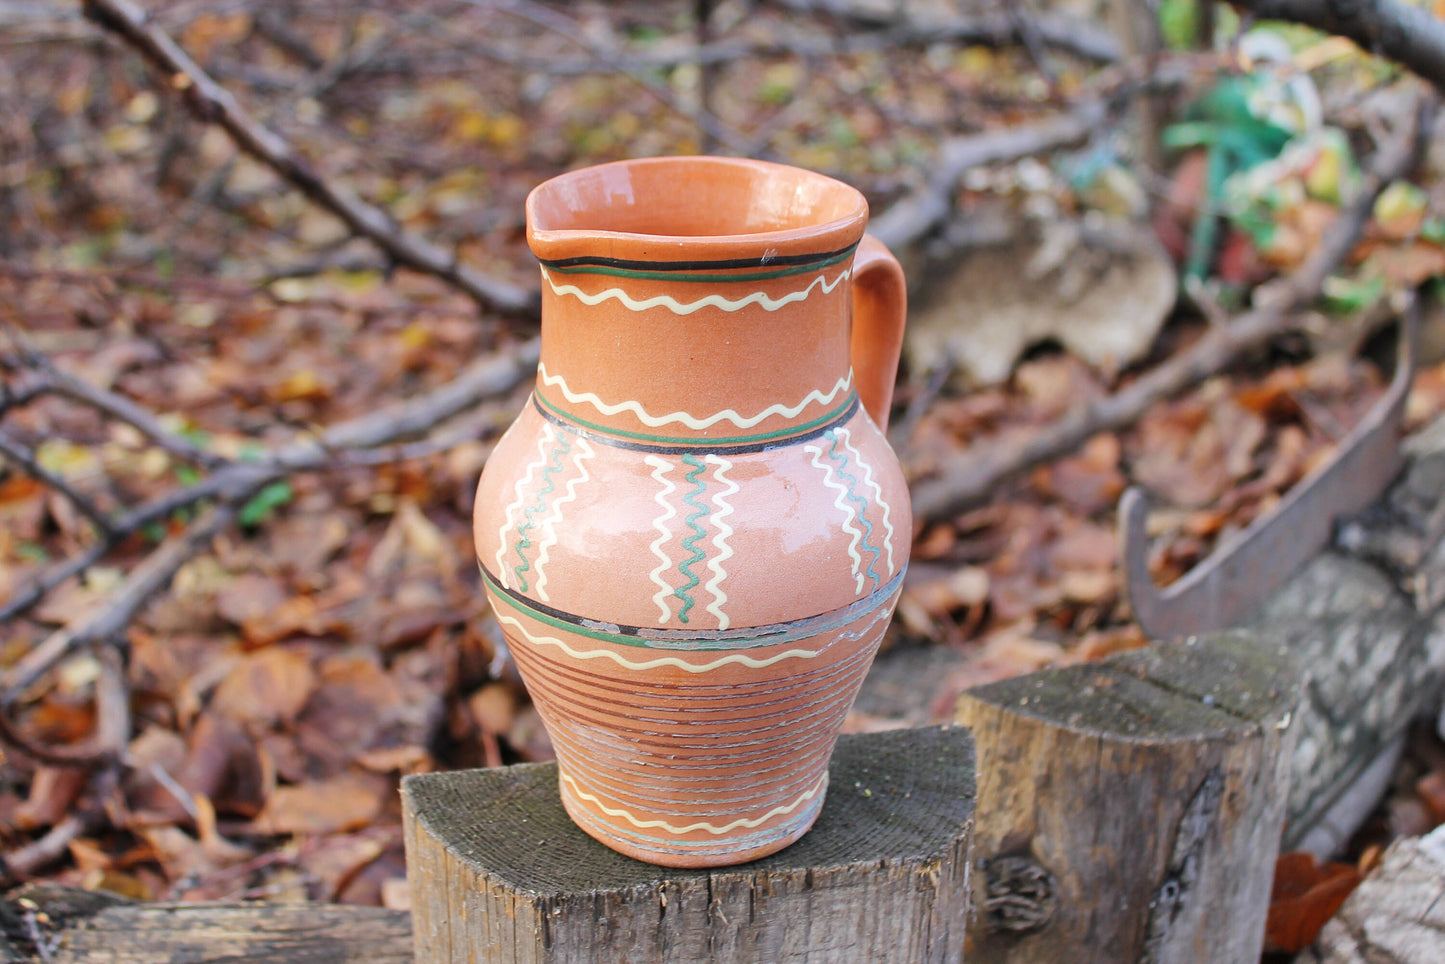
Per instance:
{"type": "Point", "coordinates": [829, 234]}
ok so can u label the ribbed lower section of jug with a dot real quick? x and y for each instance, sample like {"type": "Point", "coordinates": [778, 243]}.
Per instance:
{"type": "Point", "coordinates": [694, 756]}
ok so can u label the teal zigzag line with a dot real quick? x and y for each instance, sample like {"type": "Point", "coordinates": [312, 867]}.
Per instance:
{"type": "Point", "coordinates": [540, 505]}
{"type": "Point", "coordinates": [842, 460]}
{"type": "Point", "coordinates": [690, 543]}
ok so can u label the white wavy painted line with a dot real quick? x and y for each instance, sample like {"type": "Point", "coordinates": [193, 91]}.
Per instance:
{"type": "Point", "coordinates": [748, 822]}
{"type": "Point", "coordinates": [692, 421]}
{"type": "Point", "coordinates": [848, 514]}
{"type": "Point", "coordinates": [549, 524]}
{"type": "Point", "coordinates": [846, 436]}
{"type": "Point", "coordinates": [759, 298]}
{"type": "Point", "coordinates": [660, 469]}
{"type": "Point", "coordinates": [719, 541]}
{"type": "Point", "coordinates": [660, 661]}
{"type": "Point", "coordinates": [502, 572]}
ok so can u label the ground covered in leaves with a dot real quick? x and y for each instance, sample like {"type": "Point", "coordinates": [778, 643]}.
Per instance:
{"type": "Point", "coordinates": [337, 638]}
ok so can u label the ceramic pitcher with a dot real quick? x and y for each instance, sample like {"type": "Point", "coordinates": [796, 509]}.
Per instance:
{"type": "Point", "coordinates": [694, 535]}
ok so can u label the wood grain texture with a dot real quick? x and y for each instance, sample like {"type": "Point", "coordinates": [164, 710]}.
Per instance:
{"type": "Point", "coordinates": [500, 874]}
{"type": "Point", "coordinates": [1130, 811]}
{"type": "Point", "coordinates": [95, 928]}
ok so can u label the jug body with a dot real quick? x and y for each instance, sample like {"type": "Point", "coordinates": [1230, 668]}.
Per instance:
{"type": "Point", "coordinates": [695, 533]}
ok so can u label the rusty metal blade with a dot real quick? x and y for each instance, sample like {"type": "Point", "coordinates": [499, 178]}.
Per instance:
{"type": "Point", "coordinates": [1237, 577]}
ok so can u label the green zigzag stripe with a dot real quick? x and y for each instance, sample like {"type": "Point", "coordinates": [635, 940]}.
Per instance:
{"type": "Point", "coordinates": [852, 481]}
{"type": "Point", "coordinates": [540, 505]}
{"type": "Point", "coordinates": [690, 543]}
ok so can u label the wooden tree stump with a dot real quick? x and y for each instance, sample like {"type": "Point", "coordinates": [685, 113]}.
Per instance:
{"type": "Point", "coordinates": [500, 874]}
{"type": "Point", "coordinates": [1130, 811]}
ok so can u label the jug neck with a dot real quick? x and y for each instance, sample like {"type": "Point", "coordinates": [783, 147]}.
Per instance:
{"type": "Point", "coordinates": [697, 353]}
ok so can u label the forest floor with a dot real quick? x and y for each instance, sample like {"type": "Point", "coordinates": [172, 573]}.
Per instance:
{"type": "Point", "coordinates": [336, 637]}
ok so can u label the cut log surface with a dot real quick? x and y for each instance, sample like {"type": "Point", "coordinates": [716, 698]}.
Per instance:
{"type": "Point", "coordinates": [79, 926]}
{"type": "Point", "coordinates": [1397, 916]}
{"type": "Point", "coordinates": [1130, 810]}
{"type": "Point", "coordinates": [499, 873]}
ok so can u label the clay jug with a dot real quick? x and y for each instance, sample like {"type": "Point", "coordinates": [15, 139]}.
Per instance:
{"type": "Point", "coordinates": [694, 535]}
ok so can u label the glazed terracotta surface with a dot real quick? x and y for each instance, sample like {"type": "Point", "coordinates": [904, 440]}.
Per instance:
{"type": "Point", "coordinates": [694, 535]}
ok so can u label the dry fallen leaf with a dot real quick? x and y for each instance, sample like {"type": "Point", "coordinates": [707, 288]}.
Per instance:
{"type": "Point", "coordinates": [265, 688]}
{"type": "Point", "coordinates": [346, 802]}
{"type": "Point", "coordinates": [53, 793]}
{"type": "Point", "coordinates": [1089, 481]}
{"type": "Point", "coordinates": [1304, 897]}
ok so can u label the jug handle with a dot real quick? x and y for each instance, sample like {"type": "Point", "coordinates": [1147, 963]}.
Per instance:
{"type": "Point", "coordinates": [880, 308]}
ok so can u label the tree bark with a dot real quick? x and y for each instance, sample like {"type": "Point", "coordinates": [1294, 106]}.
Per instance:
{"type": "Point", "coordinates": [1130, 811]}
{"type": "Point", "coordinates": [96, 928]}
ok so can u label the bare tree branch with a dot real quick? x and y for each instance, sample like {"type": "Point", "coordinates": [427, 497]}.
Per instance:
{"type": "Point", "coordinates": [1409, 35]}
{"type": "Point", "coordinates": [24, 457]}
{"type": "Point", "coordinates": [212, 103]}
{"type": "Point", "coordinates": [991, 30]}
{"type": "Point", "coordinates": [46, 379]}
{"type": "Point", "coordinates": [970, 477]}
{"type": "Point", "coordinates": [231, 486]}
{"type": "Point", "coordinates": [994, 29]}
{"type": "Point", "coordinates": [108, 619]}
{"type": "Point", "coordinates": [112, 728]}
{"type": "Point", "coordinates": [919, 213]}
{"type": "Point", "coordinates": [22, 862]}
{"type": "Point", "coordinates": [564, 26]}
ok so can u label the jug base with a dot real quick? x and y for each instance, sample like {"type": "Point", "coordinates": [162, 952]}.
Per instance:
{"type": "Point", "coordinates": [693, 854]}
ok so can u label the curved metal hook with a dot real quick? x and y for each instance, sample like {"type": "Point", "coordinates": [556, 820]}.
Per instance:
{"type": "Point", "coordinates": [1228, 586]}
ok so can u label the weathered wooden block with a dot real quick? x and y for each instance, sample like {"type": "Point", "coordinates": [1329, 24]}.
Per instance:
{"type": "Point", "coordinates": [500, 874]}
{"type": "Point", "coordinates": [1131, 810]}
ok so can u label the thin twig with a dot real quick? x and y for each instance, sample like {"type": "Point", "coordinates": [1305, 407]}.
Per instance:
{"type": "Point", "coordinates": [1066, 33]}
{"type": "Point", "coordinates": [990, 30]}
{"type": "Point", "coordinates": [919, 213]}
{"type": "Point", "coordinates": [22, 862]}
{"type": "Point", "coordinates": [212, 103]}
{"type": "Point", "coordinates": [50, 380]}
{"type": "Point", "coordinates": [24, 456]}
{"type": "Point", "coordinates": [1033, 41]}
{"type": "Point", "coordinates": [564, 26]}
{"type": "Point", "coordinates": [23, 600]}
{"type": "Point", "coordinates": [235, 483]}
{"type": "Point", "coordinates": [112, 729]}
{"type": "Point", "coordinates": [970, 477]}
{"type": "Point", "coordinates": [107, 620]}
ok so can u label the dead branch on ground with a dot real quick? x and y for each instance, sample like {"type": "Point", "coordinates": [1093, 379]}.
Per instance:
{"type": "Point", "coordinates": [212, 103]}
{"type": "Point", "coordinates": [988, 30]}
{"type": "Point", "coordinates": [563, 26]}
{"type": "Point", "coordinates": [898, 27]}
{"type": "Point", "coordinates": [228, 487]}
{"type": "Point", "coordinates": [919, 213]}
{"type": "Point", "coordinates": [971, 477]}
